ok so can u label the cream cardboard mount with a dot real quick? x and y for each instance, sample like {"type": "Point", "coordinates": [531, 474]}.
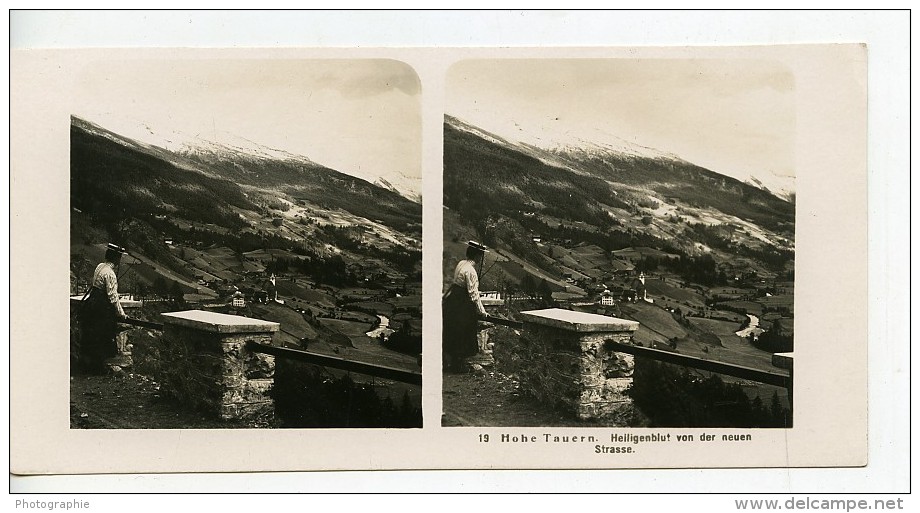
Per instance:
{"type": "Point", "coordinates": [826, 143]}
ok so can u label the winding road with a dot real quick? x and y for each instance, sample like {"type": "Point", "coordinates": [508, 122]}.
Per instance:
{"type": "Point", "coordinates": [753, 327]}
{"type": "Point", "coordinates": [383, 327]}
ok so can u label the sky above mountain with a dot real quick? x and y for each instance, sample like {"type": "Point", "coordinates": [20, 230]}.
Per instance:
{"type": "Point", "coordinates": [360, 117]}
{"type": "Point", "coordinates": [735, 117]}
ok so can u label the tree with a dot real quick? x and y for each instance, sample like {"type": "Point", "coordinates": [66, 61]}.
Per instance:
{"type": "Point", "coordinates": [528, 285]}
{"type": "Point", "coordinates": [544, 293]}
{"type": "Point", "coordinates": [141, 289]}
{"type": "Point", "coordinates": [160, 288]}
{"type": "Point", "coordinates": [175, 292]}
{"type": "Point", "coordinates": [777, 411]}
{"type": "Point", "coordinates": [499, 281]}
{"type": "Point", "coordinates": [759, 413]}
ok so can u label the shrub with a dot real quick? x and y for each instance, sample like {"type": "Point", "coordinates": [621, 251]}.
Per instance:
{"type": "Point", "coordinates": [671, 397]}
{"type": "Point", "coordinates": [307, 396]}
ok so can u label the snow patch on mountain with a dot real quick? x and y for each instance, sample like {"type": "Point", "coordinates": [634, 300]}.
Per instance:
{"type": "Point", "coordinates": [402, 189]}
{"type": "Point", "coordinates": [778, 185]}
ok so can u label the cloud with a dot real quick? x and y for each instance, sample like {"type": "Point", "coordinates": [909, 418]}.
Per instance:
{"type": "Point", "coordinates": [371, 78]}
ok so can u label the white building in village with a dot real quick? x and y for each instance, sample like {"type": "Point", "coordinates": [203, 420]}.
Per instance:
{"type": "Point", "coordinates": [606, 298]}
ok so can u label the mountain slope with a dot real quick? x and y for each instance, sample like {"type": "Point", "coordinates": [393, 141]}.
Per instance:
{"type": "Point", "coordinates": [113, 175]}
{"type": "Point", "coordinates": [613, 196]}
{"type": "Point", "coordinates": [302, 179]}
{"type": "Point", "coordinates": [624, 166]}
{"type": "Point", "coordinates": [153, 201]}
{"type": "Point", "coordinates": [217, 175]}
{"type": "Point", "coordinates": [483, 176]}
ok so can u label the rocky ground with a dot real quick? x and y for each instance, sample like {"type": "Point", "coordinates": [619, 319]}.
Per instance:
{"type": "Point", "coordinates": [128, 400]}
{"type": "Point", "coordinates": [125, 400]}
{"type": "Point", "coordinates": [485, 397]}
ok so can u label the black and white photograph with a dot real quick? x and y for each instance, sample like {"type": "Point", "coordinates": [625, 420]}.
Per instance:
{"type": "Point", "coordinates": [619, 243]}
{"type": "Point", "coordinates": [441, 262]}
{"type": "Point", "coordinates": [245, 244]}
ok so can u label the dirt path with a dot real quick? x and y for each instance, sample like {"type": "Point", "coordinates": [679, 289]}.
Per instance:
{"type": "Point", "coordinates": [568, 287]}
{"type": "Point", "coordinates": [174, 276]}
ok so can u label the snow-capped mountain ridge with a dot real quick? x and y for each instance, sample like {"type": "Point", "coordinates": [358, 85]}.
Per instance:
{"type": "Point", "coordinates": [594, 142]}
{"type": "Point", "coordinates": [566, 149]}
{"type": "Point", "coordinates": [611, 145]}
{"type": "Point", "coordinates": [240, 147]}
{"type": "Point", "coordinates": [212, 145]}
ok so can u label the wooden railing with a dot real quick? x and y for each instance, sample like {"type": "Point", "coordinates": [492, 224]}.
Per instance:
{"type": "Point", "coordinates": [370, 369]}
{"type": "Point", "coordinates": [778, 379]}
{"type": "Point", "coordinates": [141, 323]}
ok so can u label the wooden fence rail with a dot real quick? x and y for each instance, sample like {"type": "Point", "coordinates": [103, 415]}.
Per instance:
{"type": "Point", "coordinates": [370, 369]}
{"type": "Point", "coordinates": [140, 323]}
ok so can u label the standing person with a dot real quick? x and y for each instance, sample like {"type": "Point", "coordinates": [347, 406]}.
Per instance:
{"type": "Point", "coordinates": [100, 313]}
{"type": "Point", "coordinates": [461, 308]}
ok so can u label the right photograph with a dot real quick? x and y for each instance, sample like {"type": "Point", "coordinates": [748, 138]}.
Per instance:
{"type": "Point", "coordinates": [619, 243]}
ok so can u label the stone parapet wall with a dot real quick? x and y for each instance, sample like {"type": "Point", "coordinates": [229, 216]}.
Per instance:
{"type": "Point", "coordinates": [203, 362]}
{"type": "Point", "coordinates": [563, 358]}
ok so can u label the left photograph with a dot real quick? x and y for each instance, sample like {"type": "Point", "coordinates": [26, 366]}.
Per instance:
{"type": "Point", "coordinates": [245, 245]}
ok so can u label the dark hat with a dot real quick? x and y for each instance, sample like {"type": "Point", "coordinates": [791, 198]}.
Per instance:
{"type": "Point", "coordinates": [113, 252]}
{"type": "Point", "coordinates": [477, 246]}
{"type": "Point", "coordinates": [116, 249]}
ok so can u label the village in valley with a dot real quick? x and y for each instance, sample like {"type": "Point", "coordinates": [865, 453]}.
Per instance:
{"type": "Point", "coordinates": [723, 321]}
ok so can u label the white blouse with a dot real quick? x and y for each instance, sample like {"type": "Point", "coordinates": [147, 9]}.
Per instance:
{"type": "Point", "coordinates": [465, 275]}
{"type": "Point", "coordinates": [105, 280]}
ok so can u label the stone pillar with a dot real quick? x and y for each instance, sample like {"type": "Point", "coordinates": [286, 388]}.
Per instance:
{"type": "Point", "coordinates": [564, 358]}
{"type": "Point", "coordinates": [204, 363]}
